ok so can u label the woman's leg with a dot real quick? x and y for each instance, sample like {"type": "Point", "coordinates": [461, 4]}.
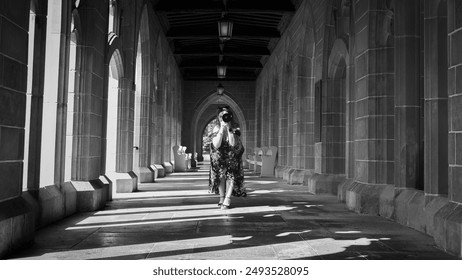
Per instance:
{"type": "Point", "coordinates": [222, 190]}
{"type": "Point", "coordinates": [229, 192]}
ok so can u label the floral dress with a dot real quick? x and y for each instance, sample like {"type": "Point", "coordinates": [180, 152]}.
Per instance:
{"type": "Point", "coordinates": [226, 162]}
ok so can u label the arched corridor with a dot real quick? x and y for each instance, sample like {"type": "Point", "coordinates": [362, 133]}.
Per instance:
{"type": "Point", "coordinates": [175, 218]}
{"type": "Point", "coordinates": [350, 114]}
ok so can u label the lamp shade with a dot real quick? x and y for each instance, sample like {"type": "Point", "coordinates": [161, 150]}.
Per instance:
{"type": "Point", "coordinates": [225, 29]}
{"type": "Point", "coordinates": [221, 71]}
{"type": "Point", "coordinates": [220, 89]}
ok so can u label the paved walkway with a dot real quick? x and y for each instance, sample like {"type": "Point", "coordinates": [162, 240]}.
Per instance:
{"type": "Point", "coordinates": [175, 218]}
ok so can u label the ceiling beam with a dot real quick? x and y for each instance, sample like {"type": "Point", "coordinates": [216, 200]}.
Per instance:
{"type": "Point", "coordinates": [264, 10]}
{"type": "Point", "coordinates": [243, 7]}
{"type": "Point", "coordinates": [214, 66]}
{"type": "Point", "coordinates": [215, 78]}
{"type": "Point", "coordinates": [211, 32]}
{"type": "Point", "coordinates": [234, 53]}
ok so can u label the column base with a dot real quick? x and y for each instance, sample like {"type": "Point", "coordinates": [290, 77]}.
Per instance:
{"type": "Point", "coordinates": [370, 199]}
{"type": "Point", "coordinates": [287, 173]}
{"type": "Point", "coordinates": [448, 228]}
{"type": "Point", "coordinates": [17, 225]}
{"type": "Point", "coordinates": [280, 170]}
{"type": "Point", "coordinates": [159, 170]}
{"type": "Point", "coordinates": [409, 207]}
{"type": "Point", "coordinates": [168, 166]}
{"type": "Point", "coordinates": [52, 203]}
{"type": "Point", "coordinates": [123, 182]}
{"type": "Point", "coordinates": [297, 176]}
{"type": "Point", "coordinates": [91, 195]}
{"type": "Point", "coordinates": [145, 175]}
{"type": "Point", "coordinates": [323, 183]}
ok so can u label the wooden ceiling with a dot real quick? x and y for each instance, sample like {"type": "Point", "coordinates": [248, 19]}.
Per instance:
{"type": "Point", "coordinates": [191, 27]}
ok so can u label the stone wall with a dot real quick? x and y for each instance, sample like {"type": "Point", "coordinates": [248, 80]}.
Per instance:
{"type": "Point", "coordinates": [106, 111]}
{"type": "Point", "coordinates": [17, 220]}
{"type": "Point", "coordinates": [362, 109]}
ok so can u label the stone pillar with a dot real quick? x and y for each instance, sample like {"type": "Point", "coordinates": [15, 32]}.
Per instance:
{"type": "Point", "coordinates": [274, 115]}
{"type": "Point", "coordinates": [455, 100]}
{"type": "Point", "coordinates": [436, 98]}
{"type": "Point", "coordinates": [283, 118]}
{"type": "Point", "coordinates": [123, 179]}
{"type": "Point", "coordinates": [125, 126]}
{"type": "Point", "coordinates": [374, 108]}
{"type": "Point", "coordinates": [374, 97]}
{"type": "Point", "coordinates": [143, 101]}
{"type": "Point", "coordinates": [305, 83]}
{"type": "Point", "coordinates": [36, 108]}
{"type": "Point", "coordinates": [408, 92]}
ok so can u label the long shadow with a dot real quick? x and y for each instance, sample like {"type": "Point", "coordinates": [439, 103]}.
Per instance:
{"type": "Point", "coordinates": [255, 224]}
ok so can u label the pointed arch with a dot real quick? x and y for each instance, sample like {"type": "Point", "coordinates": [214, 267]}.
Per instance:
{"type": "Point", "coordinates": [202, 107]}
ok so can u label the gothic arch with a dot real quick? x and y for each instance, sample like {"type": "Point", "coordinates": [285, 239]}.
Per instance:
{"type": "Point", "coordinates": [209, 101]}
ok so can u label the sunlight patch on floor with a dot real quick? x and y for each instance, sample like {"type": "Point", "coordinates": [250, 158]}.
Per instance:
{"type": "Point", "coordinates": [292, 232]}
{"type": "Point", "coordinates": [347, 232]}
{"type": "Point", "coordinates": [198, 215]}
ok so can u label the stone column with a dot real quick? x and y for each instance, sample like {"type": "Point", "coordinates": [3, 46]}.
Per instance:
{"type": "Point", "coordinates": [408, 93]}
{"type": "Point", "coordinates": [455, 100]}
{"type": "Point", "coordinates": [36, 108]}
{"type": "Point", "coordinates": [283, 117]}
{"type": "Point", "coordinates": [142, 136]}
{"type": "Point", "coordinates": [125, 126]}
{"type": "Point", "coordinates": [436, 98]}
{"type": "Point", "coordinates": [374, 97]}
{"type": "Point", "coordinates": [374, 121]}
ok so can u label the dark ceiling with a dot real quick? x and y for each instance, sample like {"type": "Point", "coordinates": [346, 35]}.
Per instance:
{"type": "Point", "coordinates": [191, 27]}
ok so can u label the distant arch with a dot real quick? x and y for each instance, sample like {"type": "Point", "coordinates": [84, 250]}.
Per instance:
{"type": "Point", "coordinates": [210, 101]}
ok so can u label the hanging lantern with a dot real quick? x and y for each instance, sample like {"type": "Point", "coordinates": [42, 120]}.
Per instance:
{"type": "Point", "coordinates": [225, 29]}
{"type": "Point", "coordinates": [220, 89]}
{"type": "Point", "coordinates": [221, 71]}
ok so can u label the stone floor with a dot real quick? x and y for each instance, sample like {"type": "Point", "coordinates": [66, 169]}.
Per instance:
{"type": "Point", "coordinates": [175, 218]}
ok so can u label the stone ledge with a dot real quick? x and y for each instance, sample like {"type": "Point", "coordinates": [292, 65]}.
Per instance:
{"type": "Point", "coordinates": [448, 227]}
{"type": "Point", "coordinates": [280, 170]}
{"type": "Point", "coordinates": [297, 177]}
{"type": "Point", "coordinates": [91, 195]}
{"type": "Point", "coordinates": [168, 167]}
{"type": "Point", "coordinates": [433, 205]}
{"type": "Point", "coordinates": [159, 169]}
{"type": "Point", "coordinates": [108, 185]}
{"type": "Point", "coordinates": [454, 232]}
{"type": "Point", "coordinates": [367, 199]}
{"type": "Point", "coordinates": [155, 172]}
{"type": "Point", "coordinates": [122, 182]}
{"type": "Point", "coordinates": [342, 188]}
{"type": "Point", "coordinates": [70, 198]}
{"type": "Point", "coordinates": [145, 175]}
{"type": "Point", "coordinates": [386, 200]}
{"type": "Point", "coordinates": [410, 209]}
{"type": "Point", "coordinates": [52, 205]}
{"type": "Point", "coordinates": [323, 184]}
{"type": "Point", "coordinates": [287, 173]}
{"type": "Point", "coordinates": [17, 225]}
{"type": "Point", "coordinates": [402, 198]}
